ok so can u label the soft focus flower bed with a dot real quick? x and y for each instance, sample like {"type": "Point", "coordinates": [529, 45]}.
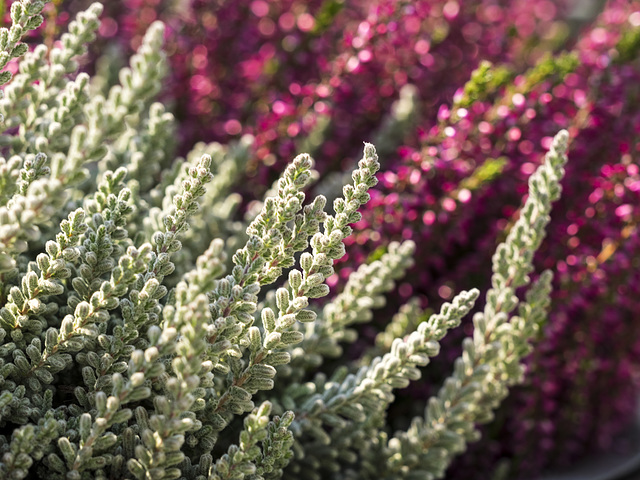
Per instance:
{"type": "Point", "coordinates": [320, 75]}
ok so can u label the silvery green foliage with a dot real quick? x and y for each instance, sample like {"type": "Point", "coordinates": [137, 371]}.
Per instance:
{"type": "Point", "coordinates": [403, 115]}
{"type": "Point", "coordinates": [405, 321]}
{"type": "Point", "coordinates": [219, 204]}
{"type": "Point", "coordinates": [491, 359]}
{"type": "Point", "coordinates": [144, 335]}
{"type": "Point", "coordinates": [339, 425]}
{"type": "Point", "coordinates": [25, 16]}
{"type": "Point", "coordinates": [363, 293]}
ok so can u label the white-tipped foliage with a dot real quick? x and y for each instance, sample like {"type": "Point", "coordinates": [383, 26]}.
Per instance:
{"type": "Point", "coordinates": [131, 337]}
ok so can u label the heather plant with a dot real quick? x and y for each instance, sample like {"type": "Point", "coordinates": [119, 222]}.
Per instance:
{"type": "Point", "coordinates": [116, 362]}
{"type": "Point", "coordinates": [320, 75]}
{"type": "Point", "coordinates": [444, 195]}
{"type": "Point", "coordinates": [457, 192]}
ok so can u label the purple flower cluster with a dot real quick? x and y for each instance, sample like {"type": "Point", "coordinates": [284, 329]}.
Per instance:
{"type": "Point", "coordinates": [278, 70]}
{"type": "Point", "coordinates": [281, 70]}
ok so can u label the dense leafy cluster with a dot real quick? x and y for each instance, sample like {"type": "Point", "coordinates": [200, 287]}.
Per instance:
{"type": "Point", "coordinates": [462, 99]}
{"type": "Point", "coordinates": [124, 354]}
